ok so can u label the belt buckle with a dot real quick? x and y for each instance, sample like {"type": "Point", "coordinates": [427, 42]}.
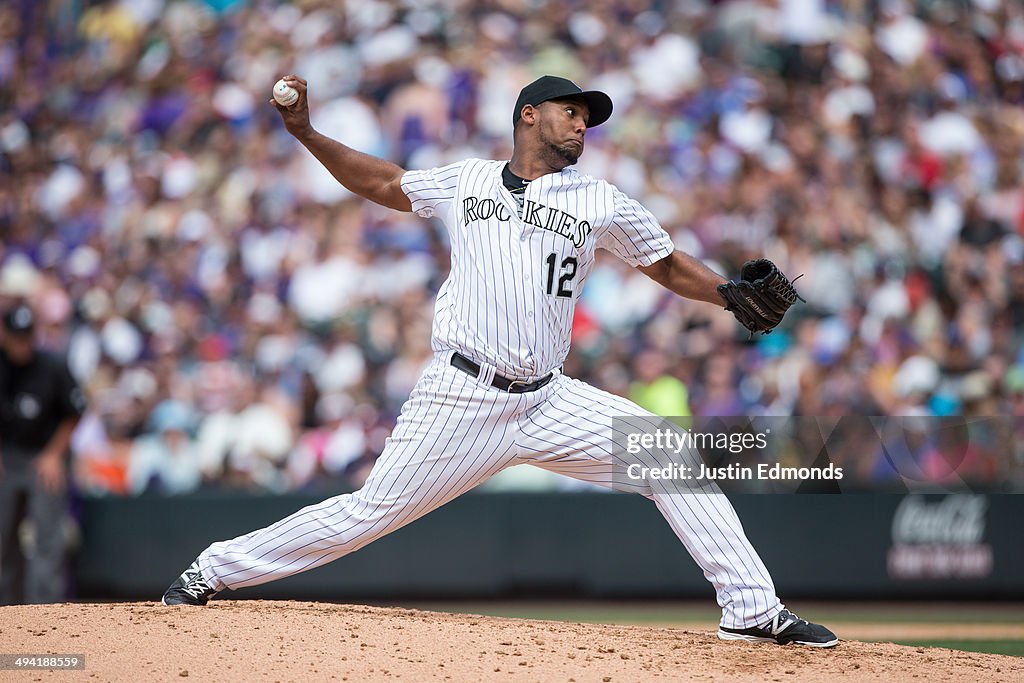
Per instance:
{"type": "Point", "coordinates": [515, 382]}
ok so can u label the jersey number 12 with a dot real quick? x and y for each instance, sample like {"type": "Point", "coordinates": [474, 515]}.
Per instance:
{"type": "Point", "coordinates": [568, 272]}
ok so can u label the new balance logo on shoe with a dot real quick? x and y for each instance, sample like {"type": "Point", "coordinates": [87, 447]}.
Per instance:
{"type": "Point", "coordinates": [777, 626]}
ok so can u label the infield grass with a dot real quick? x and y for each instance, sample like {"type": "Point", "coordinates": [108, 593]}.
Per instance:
{"type": "Point", "coordinates": [1011, 647]}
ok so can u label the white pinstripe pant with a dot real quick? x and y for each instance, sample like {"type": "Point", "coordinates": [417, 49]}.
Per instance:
{"type": "Point", "coordinates": [455, 432]}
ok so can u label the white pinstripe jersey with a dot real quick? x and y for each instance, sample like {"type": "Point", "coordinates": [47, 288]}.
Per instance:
{"type": "Point", "coordinates": [515, 279]}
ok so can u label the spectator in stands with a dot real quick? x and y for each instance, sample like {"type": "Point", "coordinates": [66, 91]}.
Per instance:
{"type": "Point", "coordinates": [166, 461]}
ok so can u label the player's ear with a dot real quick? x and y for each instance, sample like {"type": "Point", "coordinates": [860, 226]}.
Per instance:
{"type": "Point", "coordinates": [528, 114]}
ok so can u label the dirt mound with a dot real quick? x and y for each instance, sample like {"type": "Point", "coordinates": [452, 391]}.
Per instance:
{"type": "Point", "coordinates": [278, 641]}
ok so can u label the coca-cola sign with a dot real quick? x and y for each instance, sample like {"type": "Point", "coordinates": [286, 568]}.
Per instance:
{"type": "Point", "coordinates": [955, 519]}
{"type": "Point", "coordinates": [940, 539]}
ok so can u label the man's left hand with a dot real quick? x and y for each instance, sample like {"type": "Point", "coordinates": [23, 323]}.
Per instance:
{"type": "Point", "coordinates": [762, 296]}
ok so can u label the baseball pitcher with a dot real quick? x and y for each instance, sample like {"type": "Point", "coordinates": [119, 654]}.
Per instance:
{"type": "Point", "coordinates": [523, 234]}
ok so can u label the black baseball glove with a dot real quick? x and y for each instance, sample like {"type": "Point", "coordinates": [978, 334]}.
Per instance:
{"type": "Point", "coordinates": [762, 296]}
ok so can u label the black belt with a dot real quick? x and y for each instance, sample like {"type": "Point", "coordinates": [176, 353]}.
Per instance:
{"type": "Point", "coordinates": [512, 386]}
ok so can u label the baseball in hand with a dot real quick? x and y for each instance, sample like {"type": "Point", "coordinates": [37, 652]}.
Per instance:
{"type": "Point", "coordinates": [284, 94]}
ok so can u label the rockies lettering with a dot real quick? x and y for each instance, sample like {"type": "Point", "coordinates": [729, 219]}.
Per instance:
{"type": "Point", "coordinates": [535, 214]}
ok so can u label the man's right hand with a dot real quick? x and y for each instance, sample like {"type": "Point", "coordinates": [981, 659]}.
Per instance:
{"type": "Point", "coordinates": [296, 115]}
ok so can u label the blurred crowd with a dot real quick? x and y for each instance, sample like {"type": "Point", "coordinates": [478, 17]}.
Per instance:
{"type": "Point", "coordinates": [239, 320]}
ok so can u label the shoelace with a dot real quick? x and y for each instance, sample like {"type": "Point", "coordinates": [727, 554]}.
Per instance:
{"type": "Point", "coordinates": [196, 586]}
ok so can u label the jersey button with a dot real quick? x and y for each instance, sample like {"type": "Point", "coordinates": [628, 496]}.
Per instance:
{"type": "Point", "coordinates": [529, 314]}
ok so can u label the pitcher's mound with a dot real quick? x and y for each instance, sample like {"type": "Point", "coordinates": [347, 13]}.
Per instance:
{"type": "Point", "coordinates": [279, 641]}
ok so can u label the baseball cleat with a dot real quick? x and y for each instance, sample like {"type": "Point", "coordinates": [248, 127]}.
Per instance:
{"type": "Point", "coordinates": [189, 589]}
{"type": "Point", "coordinates": [784, 629]}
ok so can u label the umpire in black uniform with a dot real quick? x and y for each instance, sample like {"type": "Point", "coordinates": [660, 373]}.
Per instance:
{"type": "Point", "coordinates": [40, 404]}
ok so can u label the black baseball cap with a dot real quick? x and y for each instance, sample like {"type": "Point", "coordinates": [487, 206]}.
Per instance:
{"type": "Point", "coordinates": [19, 320]}
{"type": "Point", "coordinates": [548, 88]}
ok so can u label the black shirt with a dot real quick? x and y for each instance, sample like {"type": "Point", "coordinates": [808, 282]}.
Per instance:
{"type": "Point", "coordinates": [34, 399]}
{"type": "Point", "coordinates": [515, 185]}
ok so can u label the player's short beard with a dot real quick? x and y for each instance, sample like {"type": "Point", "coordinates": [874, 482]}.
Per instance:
{"type": "Point", "coordinates": [558, 153]}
